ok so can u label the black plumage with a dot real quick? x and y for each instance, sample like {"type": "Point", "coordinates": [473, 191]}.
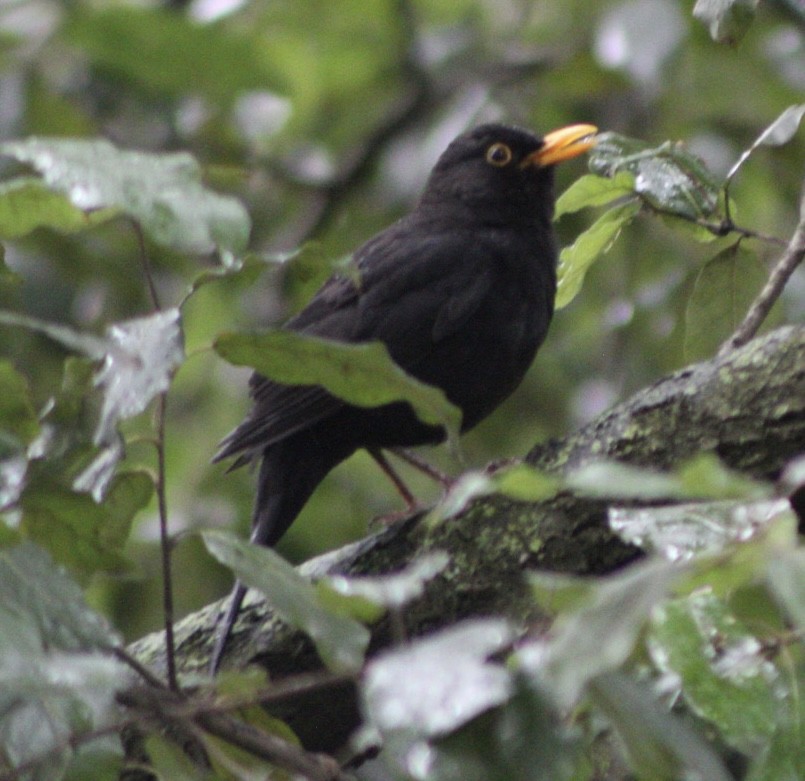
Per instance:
{"type": "Point", "coordinates": [460, 291]}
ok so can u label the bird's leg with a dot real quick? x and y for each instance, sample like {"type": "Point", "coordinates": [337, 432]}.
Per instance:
{"type": "Point", "coordinates": [404, 491]}
{"type": "Point", "coordinates": [423, 466]}
{"type": "Point", "coordinates": [225, 623]}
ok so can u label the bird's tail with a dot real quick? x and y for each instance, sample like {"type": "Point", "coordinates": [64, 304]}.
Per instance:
{"type": "Point", "coordinates": [289, 473]}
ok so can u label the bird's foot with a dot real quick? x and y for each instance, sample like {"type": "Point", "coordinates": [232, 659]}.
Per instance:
{"type": "Point", "coordinates": [390, 519]}
{"type": "Point", "coordinates": [501, 463]}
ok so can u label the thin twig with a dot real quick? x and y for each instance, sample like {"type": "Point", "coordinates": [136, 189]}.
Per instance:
{"type": "Point", "coordinates": [162, 502]}
{"type": "Point", "coordinates": [124, 656]}
{"type": "Point", "coordinates": [165, 545]}
{"type": "Point", "coordinates": [782, 271]}
{"type": "Point", "coordinates": [172, 708]}
{"type": "Point", "coordinates": [146, 263]}
{"type": "Point", "coordinates": [722, 228]}
{"type": "Point", "coordinates": [315, 767]}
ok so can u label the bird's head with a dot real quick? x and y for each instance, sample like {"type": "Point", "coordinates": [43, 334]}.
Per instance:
{"type": "Point", "coordinates": [503, 174]}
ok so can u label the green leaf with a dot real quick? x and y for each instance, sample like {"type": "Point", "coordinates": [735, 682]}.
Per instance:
{"type": "Point", "coordinates": [37, 594]}
{"type": "Point", "coordinates": [361, 374]}
{"type": "Point", "coordinates": [85, 536]}
{"type": "Point", "coordinates": [169, 761]}
{"type": "Point", "coordinates": [667, 177]}
{"type": "Point", "coordinates": [727, 20]}
{"type": "Point", "coordinates": [524, 483]}
{"type": "Point", "coordinates": [162, 192]}
{"type": "Point", "coordinates": [27, 203]}
{"type": "Point", "coordinates": [601, 634]}
{"type": "Point", "coordinates": [575, 261]}
{"type": "Point", "coordinates": [524, 739]}
{"type": "Point", "coordinates": [391, 591]}
{"type": "Point", "coordinates": [594, 191]}
{"type": "Point", "coordinates": [613, 479]}
{"type": "Point", "coordinates": [705, 476]}
{"type": "Point", "coordinates": [47, 698]}
{"type": "Point", "coordinates": [725, 675]}
{"type": "Point", "coordinates": [340, 641]}
{"type": "Point", "coordinates": [18, 420]}
{"type": "Point", "coordinates": [779, 132]}
{"type": "Point", "coordinates": [660, 746]}
{"type": "Point", "coordinates": [433, 685]}
{"type": "Point", "coordinates": [783, 129]}
{"type": "Point", "coordinates": [724, 289]}
{"type": "Point", "coordinates": [139, 358]}
{"type": "Point", "coordinates": [687, 529]}
{"type": "Point", "coordinates": [786, 576]}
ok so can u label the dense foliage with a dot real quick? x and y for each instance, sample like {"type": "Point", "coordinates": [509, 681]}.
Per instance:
{"type": "Point", "coordinates": [177, 176]}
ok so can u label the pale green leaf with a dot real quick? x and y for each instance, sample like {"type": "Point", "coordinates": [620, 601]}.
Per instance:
{"type": "Point", "coordinates": [361, 374]}
{"type": "Point", "coordinates": [340, 641]}
{"type": "Point", "coordinates": [724, 289]}
{"type": "Point", "coordinates": [162, 192]}
{"type": "Point", "coordinates": [593, 190]}
{"type": "Point", "coordinates": [727, 20]}
{"type": "Point", "coordinates": [575, 261]}
{"type": "Point", "coordinates": [27, 203]}
{"type": "Point", "coordinates": [725, 675]}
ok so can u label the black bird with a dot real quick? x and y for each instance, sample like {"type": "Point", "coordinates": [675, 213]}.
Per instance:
{"type": "Point", "coordinates": [461, 291]}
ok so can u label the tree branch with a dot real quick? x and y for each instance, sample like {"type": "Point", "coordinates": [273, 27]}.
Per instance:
{"type": "Point", "coordinates": [747, 406]}
{"type": "Point", "coordinates": [778, 278]}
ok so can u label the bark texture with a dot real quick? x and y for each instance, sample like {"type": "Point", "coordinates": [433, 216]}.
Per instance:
{"type": "Point", "coordinates": [747, 406]}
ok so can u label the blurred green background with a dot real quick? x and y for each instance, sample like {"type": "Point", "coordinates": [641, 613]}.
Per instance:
{"type": "Point", "coordinates": [324, 118]}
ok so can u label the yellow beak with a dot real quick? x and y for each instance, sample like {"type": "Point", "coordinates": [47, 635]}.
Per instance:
{"type": "Point", "coordinates": [562, 144]}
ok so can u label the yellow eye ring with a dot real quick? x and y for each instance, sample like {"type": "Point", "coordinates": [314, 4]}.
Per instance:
{"type": "Point", "coordinates": [499, 154]}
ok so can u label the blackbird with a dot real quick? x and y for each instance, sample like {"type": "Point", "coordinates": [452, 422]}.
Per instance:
{"type": "Point", "coordinates": [461, 291]}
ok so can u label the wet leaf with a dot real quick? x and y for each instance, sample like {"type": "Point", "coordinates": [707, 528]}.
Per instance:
{"type": "Point", "coordinates": [434, 685]}
{"type": "Point", "coordinates": [667, 177]}
{"type": "Point", "coordinates": [48, 696]}
{"type": "Point", "coordinates": [575, 261]}
{"type": "Point", "coordinates": [684, 530]}
{"type": "Point", "coordinates": [601, 634]}
{"type": "Point", "coordinates": [727, 20]}
{"type": "Point", "coordinates": [500, 745]}
{"type": "Point", "coordinates": [361, 374]}
{"type": "Point", "coordinates": [392, 591]}
{"type": "Point", "coordinates": [140, 357]}
{"type": "Point", "coordinates": [340, 641]}
{"type": "Point", "coordinates": [723, 669]}
{"type": "Point", "coordinates": [614, 479]}
{"type": "Point", "coordinates": [38, 595]}
{"type": "Point", "coordinates": [779, 132]}
{"type": "Point", "coordinates": [783, 129]}
{"type": "Point", "coordinates": [162, 192]}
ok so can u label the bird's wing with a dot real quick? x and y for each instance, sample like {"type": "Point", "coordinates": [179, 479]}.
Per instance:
{"type": "Point", "coordinates": [279, 410]}
{"type": "Point", "coordinates": [412, 303]}
{"type": "Point", "coordinates": [411, 294]}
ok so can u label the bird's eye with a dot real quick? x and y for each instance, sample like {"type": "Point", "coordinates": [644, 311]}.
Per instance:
{"type": "Point", "coordinates": [499, 155]}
